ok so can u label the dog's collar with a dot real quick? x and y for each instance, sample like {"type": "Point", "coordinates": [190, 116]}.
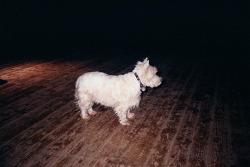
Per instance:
{"type": "Point", "coordinates": [138, 79]}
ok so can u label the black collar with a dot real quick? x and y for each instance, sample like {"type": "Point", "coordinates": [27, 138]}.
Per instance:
{"type": "Point", "coordinates": [137, 77]}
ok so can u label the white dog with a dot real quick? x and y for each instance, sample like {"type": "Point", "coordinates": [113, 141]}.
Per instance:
{"type": "Point", "coordinates": [120, 92]}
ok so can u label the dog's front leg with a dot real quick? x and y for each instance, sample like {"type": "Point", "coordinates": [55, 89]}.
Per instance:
{"type": "Point", "coordinates": [122, 114]}
{"type": "Point", "coordinates": [130, 115]}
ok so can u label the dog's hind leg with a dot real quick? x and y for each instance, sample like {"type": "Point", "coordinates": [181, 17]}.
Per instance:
{"type": "Point", "coordinates": [84, 109]}
{"type": "Point", "coordinates": [84, 102]}
{"type": "Point", "coordinates": [91, 111]}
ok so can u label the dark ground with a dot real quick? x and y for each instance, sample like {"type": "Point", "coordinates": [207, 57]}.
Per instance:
{"type": "Point", "coordinates": [198, 117]}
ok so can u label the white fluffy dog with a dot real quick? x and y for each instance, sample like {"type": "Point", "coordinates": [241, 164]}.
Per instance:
{"type": "Point", "coordinates": [120, 92]}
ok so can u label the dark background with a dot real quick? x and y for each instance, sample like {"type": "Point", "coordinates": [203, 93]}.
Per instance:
{"type": "Point", "coordinates": [40, 29]}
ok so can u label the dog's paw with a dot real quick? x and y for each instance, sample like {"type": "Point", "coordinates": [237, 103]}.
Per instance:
{"type": "Point", "coordinates": [92, 112]}
{"type": "Point", "coordinates": [125, 122]}
{"type": "Point", "coordinates": [131, 115]}
{"type": "Point", "coordinates": [85, 116]}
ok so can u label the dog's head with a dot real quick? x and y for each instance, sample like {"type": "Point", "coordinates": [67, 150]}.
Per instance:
{"type": "Point", "coordinates": [147, 74]}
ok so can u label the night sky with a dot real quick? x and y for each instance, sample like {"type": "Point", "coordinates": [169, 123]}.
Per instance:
{"type": "Point", "coordinates": [54, 29]}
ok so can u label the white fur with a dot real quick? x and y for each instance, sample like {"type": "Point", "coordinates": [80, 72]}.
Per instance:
{"type": "Point", "coordinates": [120, 92]}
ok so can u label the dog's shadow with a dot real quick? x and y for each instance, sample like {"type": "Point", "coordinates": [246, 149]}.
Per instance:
{"type": "Point", "coordinates": [100, 108]}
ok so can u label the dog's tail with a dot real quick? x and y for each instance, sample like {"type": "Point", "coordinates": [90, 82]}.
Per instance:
{"type": "Point", "coordinates": [77, 92]}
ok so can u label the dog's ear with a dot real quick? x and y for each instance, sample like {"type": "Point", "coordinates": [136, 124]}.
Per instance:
{"type": "Point", "coordinates": [146, 61]}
